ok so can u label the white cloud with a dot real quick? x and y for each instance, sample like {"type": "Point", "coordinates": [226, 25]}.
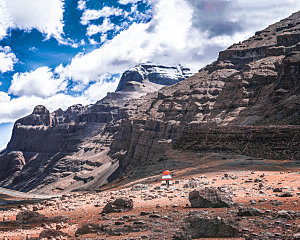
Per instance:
{"type": "Point", "coordinates": [81, 4]}
{"type": "Point", "coordinates": [124, 2]}
{"type": "Point", "coordinates": [175, 35]}
{"type": "Point", "coordinates": [103, 28]}
{"type": "Point", "coordinates": [19, 107]}
{"type": "Point", "coordinates": [14, 108]}
{"type": "Point", "coordinates": [7, 59]}
{"type": "Point", "coordinates": [39, 83]}
{"type": "Point", "coordinates": [99, 89]}
{"type": "Point", "coordinates": [91, 14]}
{"type": "Point", "coordinates": [166, 40]}
{"type": "Point", "coordinates": [29, 14]}
{"type": "Point", "coordinates": [4, 97]}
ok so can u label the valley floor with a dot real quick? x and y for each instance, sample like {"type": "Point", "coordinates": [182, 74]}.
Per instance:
{"type": "Point", "coordinates": [161, 214]}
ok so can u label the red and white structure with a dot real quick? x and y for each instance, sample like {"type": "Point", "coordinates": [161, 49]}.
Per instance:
{"type": "Point", "coordinates": [166, 180]}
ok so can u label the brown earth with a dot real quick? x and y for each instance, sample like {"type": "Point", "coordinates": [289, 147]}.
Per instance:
{"type": "Point", "coordinates": [165, 211]}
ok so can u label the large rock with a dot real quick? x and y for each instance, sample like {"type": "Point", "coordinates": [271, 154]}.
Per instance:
{"type": "Point", "coordinates": [205, 227]}
{"type": "Point", "coordinates": [30, 216]}
{"type": "Point", "coordinates": [210, 198]}
{"type": "Point", "coordinates": [53, 234]}
{"type": "Point", "coordinates": [119, 205]}
{"type": "Point", "coordinates": [286, 194]}
{"type": "Point", "coordinates": [249, 212]}
{"type": "Point", "coordinates": [89, 228]}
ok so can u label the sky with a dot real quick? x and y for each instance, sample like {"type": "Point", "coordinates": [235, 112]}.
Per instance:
{"type": "Point", "coordinates": [63, 52]}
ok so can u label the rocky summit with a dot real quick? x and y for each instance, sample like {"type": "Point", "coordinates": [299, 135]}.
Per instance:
{"type": "Point", "coordinates": [242, 108]}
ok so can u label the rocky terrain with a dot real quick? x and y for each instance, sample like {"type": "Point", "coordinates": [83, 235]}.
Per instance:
{"type": "Point", "coordinates": [238, 204]}
{"type": "Point", "coordinates": [237, 115]}
{"type": "Point", "coordinates": [246, 102]}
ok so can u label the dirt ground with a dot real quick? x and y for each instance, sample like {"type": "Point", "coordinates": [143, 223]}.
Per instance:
{"type": "Point", "coordinates": [162, 213]}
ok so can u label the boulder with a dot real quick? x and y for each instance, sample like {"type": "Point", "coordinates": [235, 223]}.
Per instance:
{"type": "Point", "coordinates": [119, 205]}
{"type": "Point", "coordinates": [30, 216]}
{"type": "Point", "coordinates": [249, 212]}
{"type": "Point", "coordinates": [210, 198]}
{"type": "Point", "coordinates": [51, 233]}
{"type": "Point", "coordinates": [89, 228]}
{"type": "Point", "coordinates": [200, 226]}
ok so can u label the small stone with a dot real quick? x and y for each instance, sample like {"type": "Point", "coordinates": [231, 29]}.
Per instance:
{"type": "Point", "coordinates": [154, 216]}
{"type": "Point", "coordinates": [119, 223]}
{"type": "Point", "coordinates": [286, 194]}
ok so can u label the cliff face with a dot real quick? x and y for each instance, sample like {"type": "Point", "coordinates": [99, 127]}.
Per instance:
{"type": "Point", "coordinates": [246, 102]}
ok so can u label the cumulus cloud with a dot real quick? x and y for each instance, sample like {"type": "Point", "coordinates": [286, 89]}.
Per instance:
{"type": "Point", "coordinates": [81, 4]}
{"type": "Point", "coordinates": [181, 31]}
{"type": "Point", "coordinates": [167, 39]}
{"type": "Point", "coordinates": [39, 83]}
{"type": "Point", "coordinates": [4, 97]}
{"type": "Point", "coordinates": [103, 28]}
{"type": "Point", "coordinates": [14, 108]}
{"type": "Point", "coordinates": [227, 17]}
{"type": "Point", "coordinates": [19, 107]}
{"type": "Point", "coordinates": [214, 16]}
{"type": "Point", "coordinates": [7, 59]}
{"type": "Point", "coordinates": [106, 83]}
{"type": "Point", "coordinates": [29, 14]}
{"type": "Point", "coordinates": [124, 2]}
{"type": "Point", "coordinates": [91, 14]}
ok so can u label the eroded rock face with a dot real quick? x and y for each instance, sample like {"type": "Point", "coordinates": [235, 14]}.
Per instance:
{"type": "Point", "coordinates": [210, 198]}
{"type": "Point", "coordinates": [243, 103]}
{"type": "Point", "coordinates": [119, 205]}
{"type": "Point", "coordinates": [11, 164]}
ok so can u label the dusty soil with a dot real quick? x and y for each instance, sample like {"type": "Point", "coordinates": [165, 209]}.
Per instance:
{"type": "Point", "coordinates": [160, 214]}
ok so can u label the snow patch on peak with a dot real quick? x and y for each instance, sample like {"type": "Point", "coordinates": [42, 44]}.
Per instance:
{"type": "Point", "coordinates": [156, 74]}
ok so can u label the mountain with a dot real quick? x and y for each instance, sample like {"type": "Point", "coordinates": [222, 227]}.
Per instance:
{"type": "Point", "coordinates": [246, 103]}
{"type": "Point", "coordinates": [65, 150]}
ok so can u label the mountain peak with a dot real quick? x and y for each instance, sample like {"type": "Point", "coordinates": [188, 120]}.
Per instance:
{"type": "Point", "coordinates": [40, 109]}
{"type": "Point", "coordinates": [145, 73]}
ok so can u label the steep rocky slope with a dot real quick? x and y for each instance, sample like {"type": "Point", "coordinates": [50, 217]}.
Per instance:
{"type": "Point", "coordinates": [244, 103]}
{"type": "Point", "coordinates": [67, 150]}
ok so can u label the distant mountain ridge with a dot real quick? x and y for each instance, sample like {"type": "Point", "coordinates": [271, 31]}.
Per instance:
{"type": "Point", "coordinates": [41, 148]}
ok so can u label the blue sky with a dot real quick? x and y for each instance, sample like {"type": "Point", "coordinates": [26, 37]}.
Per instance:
{"type": "Point", "coordinates": [63, 52]}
